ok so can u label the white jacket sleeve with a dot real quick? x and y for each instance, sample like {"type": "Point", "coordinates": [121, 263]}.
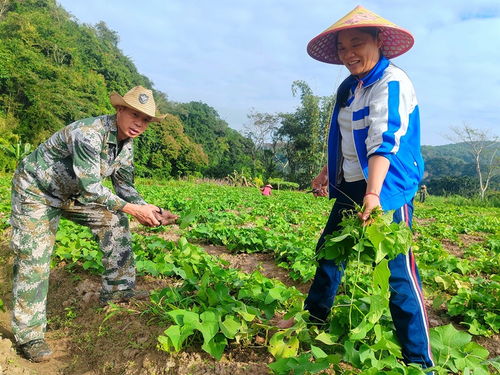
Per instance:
{"type": "Point", "coordinates": [392, 101]}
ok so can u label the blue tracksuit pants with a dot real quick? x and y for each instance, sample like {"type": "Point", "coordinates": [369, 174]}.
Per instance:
{"type": "Point", "coordinates": [406, 301]}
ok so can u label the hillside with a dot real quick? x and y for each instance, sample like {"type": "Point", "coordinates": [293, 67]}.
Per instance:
{"type": "Point", "coordinates": [55, 70]}
{"type": "Point", "coordinates": [448, 160]}
{"type": "Point", "coordinates": [451, 169]}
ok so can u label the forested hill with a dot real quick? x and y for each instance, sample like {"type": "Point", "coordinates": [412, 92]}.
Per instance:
{"type": "Point", "coordinates": [451, 169]}
{"type": "Point", "coordinates": [55, 70]}
{"type": "Point", "coordinates": [453, 159]}
{"type": "Point", "coordinates": [448, 160]}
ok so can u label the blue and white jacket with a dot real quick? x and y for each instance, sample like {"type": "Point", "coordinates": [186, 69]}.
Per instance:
{"type": "Point", "coordinates": [386, 122]}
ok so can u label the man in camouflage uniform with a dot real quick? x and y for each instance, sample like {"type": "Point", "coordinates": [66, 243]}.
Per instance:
{"type": "Point", "coordinates": [63, 177]}
{"type": "Point", "coordinates": [423, 193]}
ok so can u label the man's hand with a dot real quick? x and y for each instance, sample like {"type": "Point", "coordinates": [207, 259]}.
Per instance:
{"type": "Point", "coordinates": [144, 213]}
{"type": "Point", "coordinates": [320, 183]}
{"type": "Point", "coordinates": [165, 217]}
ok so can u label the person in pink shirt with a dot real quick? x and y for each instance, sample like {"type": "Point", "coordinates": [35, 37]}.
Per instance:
{"type": "Point", "coordinates": [266, 190]}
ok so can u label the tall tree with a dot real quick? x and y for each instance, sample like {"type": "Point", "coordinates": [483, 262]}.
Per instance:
{"type": "Point", "coordinates": [262, 130]}
{"type": "Point", "coordinates": [304, 134]}
{"type": "Point", "coordinates": [483, 148]}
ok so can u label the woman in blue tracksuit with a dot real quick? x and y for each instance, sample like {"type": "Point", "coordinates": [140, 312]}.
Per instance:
{"type": "Point", "coordinates": [373, 159]}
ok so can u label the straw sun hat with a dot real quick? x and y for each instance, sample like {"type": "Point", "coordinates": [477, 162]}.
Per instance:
{"type": "Point", "coordinates": [139, 99]}
{"type": "Point", "coordinates": [395, 39]}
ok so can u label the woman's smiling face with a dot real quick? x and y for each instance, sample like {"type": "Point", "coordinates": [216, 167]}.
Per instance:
{"type": "Point", "coordinates": [359, 51]}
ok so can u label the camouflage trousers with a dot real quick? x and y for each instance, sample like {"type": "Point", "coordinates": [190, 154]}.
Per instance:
{"type": "Point", "coordinates": [34, 226]}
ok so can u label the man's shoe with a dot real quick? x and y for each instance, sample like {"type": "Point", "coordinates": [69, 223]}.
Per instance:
{"type": "Point", "coordinates": [36, 350]}
{"type": "Point", "coordinates": [122, 296]}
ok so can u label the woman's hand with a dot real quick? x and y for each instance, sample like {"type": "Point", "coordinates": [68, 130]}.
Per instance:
{"type": "Point", "coordinates": [144, 213]}
{"type": "Point", "coordinates": [377, 170]}
{"type": "Point", "coordinates": [320, 183]}
{"type": "Point", "coordinates": [370, 202]}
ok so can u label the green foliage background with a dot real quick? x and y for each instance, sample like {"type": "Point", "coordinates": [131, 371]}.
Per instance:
{"type": "Point", "coordinates": [54, 70]}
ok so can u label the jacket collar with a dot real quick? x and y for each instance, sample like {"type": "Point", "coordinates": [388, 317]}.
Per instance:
{"type": "Point", "coordinates": [113, 131]}
{"type": "Point", "coordinates": [376, 72]}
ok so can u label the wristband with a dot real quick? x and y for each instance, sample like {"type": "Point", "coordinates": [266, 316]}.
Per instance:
{"type": "Point", "coordinates": [378, 196]}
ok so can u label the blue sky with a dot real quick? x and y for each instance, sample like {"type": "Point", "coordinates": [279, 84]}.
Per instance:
{"type": "Point", "coordinates": [237, 55]}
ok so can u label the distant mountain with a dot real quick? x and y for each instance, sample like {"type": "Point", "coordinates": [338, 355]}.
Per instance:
{"type": "Point", "coordinates": [448, 160]}
{"type": "Point", "coordinates": [452, 160]}
{"type": "Point", "coordinates": [451, 169]}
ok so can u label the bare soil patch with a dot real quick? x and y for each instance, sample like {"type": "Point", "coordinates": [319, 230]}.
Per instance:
{"type": "Point", "coordinates": [425, 221]}
{"type": "Point", "coordinates": [457, 248]}
{"type": "Point", "coordinates": [470, 239]}
{"type": "Point", "coordinates": [262, 262]}
{"type": "Point", "coordinates": [453, 248]}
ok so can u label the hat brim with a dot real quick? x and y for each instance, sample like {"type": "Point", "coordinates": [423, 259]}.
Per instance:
{"type": "Point", "coordinates": [117, 100]}
{"type": "Point", "coordinates": [395, 42]}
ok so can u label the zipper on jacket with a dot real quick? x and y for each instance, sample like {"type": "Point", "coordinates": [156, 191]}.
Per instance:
{"type": "Point", "coordinates": [356, 91]}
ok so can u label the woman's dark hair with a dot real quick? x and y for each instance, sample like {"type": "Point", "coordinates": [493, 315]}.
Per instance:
{"type": "Point", "coordinates": [373, 31]}
{"type": "Point", "coordinates": [343, 91]}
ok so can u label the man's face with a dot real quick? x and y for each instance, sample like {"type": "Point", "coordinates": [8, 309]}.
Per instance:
{"type": "Point", "coordinates": [131, 123]}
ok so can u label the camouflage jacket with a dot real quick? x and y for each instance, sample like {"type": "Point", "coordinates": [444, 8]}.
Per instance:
{"type": "Point", "coordinates": [73, 162]}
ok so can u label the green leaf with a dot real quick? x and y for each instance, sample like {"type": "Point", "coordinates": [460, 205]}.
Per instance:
{"type": "Point", "coordinates": [351, 354]}
{"type": "Point", "coordinates": [177, 335]}
{"type": "Point", "coordinates": [185, 317]}
{"type": "Point", "coordinates": [244, 313]}
{"type": "Point", "coordinates": [281, 346]}
{"type": "Point", "coordinates": [473, 349]}
{"type": "Point", "coordinates": [273, 295]}
{"type": "Point", "coordinates": [359, 332]}
{"type": "Point", "coordinates": [318, 352]}
{"type": "Point", "coordinates": [283, 366]}
{"type": "Point", "coordinates": [164, 343]}
{"type": "Point", "coordinates": [216, 346]}
{"type": "Point", "coordinates": [454, 350]}
{"type": "Point", "coordinates": [381, 274]}
{"type": "Point", "coordinates": [230, 326]}
{"type": "Point", "coordinates": [187, 219]}
{"type": "Point", "coordinates": [209, 325]}
{"type": "Point", "coordinates": [326, 338]}
{"type": "Point", "coordinates": [449, 337]}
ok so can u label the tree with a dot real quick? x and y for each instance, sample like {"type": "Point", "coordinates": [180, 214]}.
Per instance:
{"type": "Point", "coordinates": [226, 149]}
{"type": "Point", "coordinates": [304, 134]}
{"type": "Point", "coordinates": [262, 131]}
{"type": "Point", "coordinates": [165, 150]}
{"type": "Point", "coordinates": [483, 148]}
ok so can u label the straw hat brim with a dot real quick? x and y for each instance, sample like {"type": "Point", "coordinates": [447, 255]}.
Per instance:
{"type": "Point", "coordinates": [395, 39]}
{"type": "Point", "coordinates": [118, 100]}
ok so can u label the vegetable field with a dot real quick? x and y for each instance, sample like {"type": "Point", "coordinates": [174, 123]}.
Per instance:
{"type": "Point", "coordinates": [208, 306]}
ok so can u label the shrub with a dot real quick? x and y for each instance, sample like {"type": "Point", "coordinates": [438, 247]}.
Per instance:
{"type": "Point", "coordinates": [282, 184]}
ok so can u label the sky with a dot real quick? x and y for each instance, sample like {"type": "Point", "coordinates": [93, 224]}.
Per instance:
{"type": "Point", "coordinates": [243, 55]}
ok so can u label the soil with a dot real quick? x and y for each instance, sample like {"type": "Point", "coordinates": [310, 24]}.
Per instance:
{"type": "Point", "coordinates": [262, 262]}
{"type": "Point", "coordinates": [457, 248]}
{"type": "Point", "coordinates": [453, 247]}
